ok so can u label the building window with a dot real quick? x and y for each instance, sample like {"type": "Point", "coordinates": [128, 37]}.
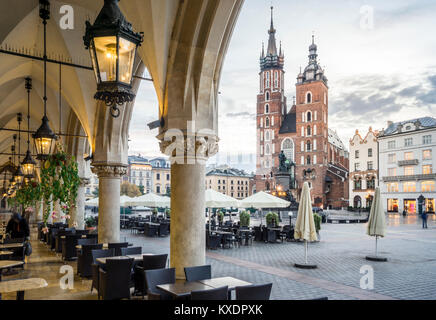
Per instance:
{"type": "Point", "coordinates": [408, 171]}
{"type": "Point", "coordinates": [408, 142]}
{"type": "Point", "coordinates": [157, 176]}
{"type": "Point", "coordinates": [267, 79]}
{"type": "Point", "coordinates": [158, 189]}
{"type": "Point", "coordinates": [426, 155]}
{"type": "Point", "coordinates": [393, 205]}
{"type": "Point", "coordinates": [392, 187]}
{"type": "Point", "coordinates": [308, 160]}
{"type": "Point", "coordinates": [370, 165]}
{"type": "Point", "coordinates": [370, 183]}
{"type": "Point", "coordinates": [392, 158]}
{"type": "Point", "coordinates": [392, 172]}
{"type": "Point", "coordinates": [427, 169]}
{"type": "Point", "coordinates": [309, 131]}
{"type": "Point", "coordinates": [358, 184]}
{"type": "Point", "coordinates": [266, 108]}
{"type": "Point", "coordinates": [266, 122]}
{"type": "Point", "coordinates": [309, 98]}
{"type": "Point", "coordinates": [357, 166]}
{"type": "Point", "coordinates": [309, 116]}
{"type": "Point", "coordinates": [426, 139]}
{"type": "Point", "coordinates": [408, 156]}
{"type": "Point", "coordinates": [357, 154]}
{"type": "Point", "coordinates": [409, 187]}
{"type": "Point", "coordinates": [267, 135]}
{"type": "Point", "coordinates": [428, 186]}
{"type": "Point", "coordinates": [267, 150]}
{"type": "Point", "coordinates": [168, 177]}
{"type": "Point", "coordinates": [370, 153]}
{"type": "Point", "coordinates": [267, 96]}
{"type": "Point", "coordinates": [391, 145]}
{"type": "Point", "coordinates": [308, 146]}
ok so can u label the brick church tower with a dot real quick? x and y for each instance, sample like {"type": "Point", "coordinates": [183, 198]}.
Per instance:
{"type": "Point", "coordinates": [271, 109]}
{"type": "Point", "coordinates": [312, 139]}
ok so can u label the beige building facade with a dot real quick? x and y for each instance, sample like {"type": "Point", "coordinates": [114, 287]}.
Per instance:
{"type": "Point", "coordinates": [229, 181]}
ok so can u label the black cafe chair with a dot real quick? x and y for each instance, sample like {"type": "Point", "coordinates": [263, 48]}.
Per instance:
{"type": "Point", "coordinates": [96, 266]}
{"type": "Point", "coordinates": [254, 292]}
{"type": "Point", "coordinates": [114, 281]}
{"type": "Point", "coordinates": [117, 247]}
{"type": "Point", "coordinates": [198, 273]}
{"type": "Point", "coordinates": [156, 277]}
{"type": "Point", "coordinates": [84, 259]}
{"type": "Point", "coordinates": [212, 294]}
{"type": "Point", "coordinates": [149, 262]}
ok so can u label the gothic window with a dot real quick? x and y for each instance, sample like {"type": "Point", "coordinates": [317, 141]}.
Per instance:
{"type": "Point", "coordinates": [309, 131]}
{"type": "Point", "coordinates": [276, 79]}
{"type": "Point", "coordinates": [267, 136]}
{"type": "Point", "coordinates": [308, 160]}
{"type": "Point", "coordinates": [308, 146]}
{"type": "Point", "coordinates": [266, 108]}
{"type": "Point", "coordinates": [266, 122]}
{"type": "Point", "coordinates": [267, 96]}
{"type": "Point", "coordinates": [309, 116]}
{"type": "Point", "coordinates": [309, 97]}
{"type": "Point", "coordinates": [267, 150]}
{"type": "Point", "coordinates": [288, 149]}
{"type": "Point", "coordinates": [267, 79]}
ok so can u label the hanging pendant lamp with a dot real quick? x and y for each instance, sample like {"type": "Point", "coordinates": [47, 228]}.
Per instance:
{"type": "Point", "coordinates": [28, 163]}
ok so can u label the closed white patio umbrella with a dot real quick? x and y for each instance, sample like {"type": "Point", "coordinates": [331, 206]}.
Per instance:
{"type": "Point", "coordinates": [305, 225]}
{"type": "Point", "coordinates": [376, 224]}
{"type": "Point", "coordinates": [149, 200]}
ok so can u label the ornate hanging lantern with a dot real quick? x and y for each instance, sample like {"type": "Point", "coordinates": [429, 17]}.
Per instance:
{"type": "Point", "coordinates": [28, 163]}
{"type": "Point", "coordinates": [112, 44]}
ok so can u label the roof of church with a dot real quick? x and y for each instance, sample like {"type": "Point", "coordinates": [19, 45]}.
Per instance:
{"type": "Point", "coordinates": [335, 140]}
{"type": "Point", "coordinates": [289, 124]}
{"type": "Point", "coordinates": [272, 59]}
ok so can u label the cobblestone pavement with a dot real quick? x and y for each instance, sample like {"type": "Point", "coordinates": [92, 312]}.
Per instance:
{"type": "Point", "coordinates": [410, 272]}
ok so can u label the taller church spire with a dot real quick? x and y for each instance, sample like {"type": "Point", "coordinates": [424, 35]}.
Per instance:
{"type": "Point", "coordinates": [272, 59]}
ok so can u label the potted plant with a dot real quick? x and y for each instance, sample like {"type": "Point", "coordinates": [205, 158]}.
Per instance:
{"type": "Point", "coordinates": [318, 219]}
{"type": "Point", "coordinates": [244, 218]}
{"type": "Point", "coordinates": [168, 213]}
{"type": "Point", "coordinates": [272, 219]}
{"type": "Point", "coordinates": [220, 217]}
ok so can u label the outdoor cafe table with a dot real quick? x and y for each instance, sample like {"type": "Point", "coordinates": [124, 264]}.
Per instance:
{"type": "Point", "coordinates": [183, 289]}
{"type": "Point", "coordinates": [21, 285]}
{"type": "Point", "coordinates": [11, 246]}
{"type": "Point", "coordinates": [105, 246]}
{"type": "Point", "coordinates": [7, 264]}
{"type": "Point", "coordinates": [136, 257]}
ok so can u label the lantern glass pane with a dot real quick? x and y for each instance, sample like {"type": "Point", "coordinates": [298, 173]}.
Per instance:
{"type": "Point", "coordinates": [27, 169]}
{"type": "Point", "coordinates": [94, 61]}
{"type": "Point", "coordinates": [106, 53]}
{"type": "Point", "coordinates": [127, 51]}
{"type": "Point", "coordinates": [43, 145]}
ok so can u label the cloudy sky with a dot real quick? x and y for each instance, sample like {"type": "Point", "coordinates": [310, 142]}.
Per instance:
{"type": "Point", "coordinates": [379, 69]}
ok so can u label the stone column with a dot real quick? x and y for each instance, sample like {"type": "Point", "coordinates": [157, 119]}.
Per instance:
{"type": "Point", "coordinates": [39, 211]}
{"type": "Point", "coordinates": [78, 212]}
{"type": "Point", "coordinates": [188, 219]}
{"type": "Point", "coordinates": [109, 201]}
{"type": "Point", "coordinates": [59, 212]}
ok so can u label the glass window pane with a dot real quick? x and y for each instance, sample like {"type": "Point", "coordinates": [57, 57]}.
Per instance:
{"type": "Point", "coordinates": [94, 61]}
{"type": "Point", "coordinates": [127, 57]}
{"type": "Point", "coordinates": [106, 51]}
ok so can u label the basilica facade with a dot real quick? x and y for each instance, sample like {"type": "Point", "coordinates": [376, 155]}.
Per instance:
{"type": "Point", "coordinates": [301, 130]}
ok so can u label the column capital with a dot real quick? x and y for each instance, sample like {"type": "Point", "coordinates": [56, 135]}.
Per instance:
{"type": "Point", "coordinates": [183, 147]}
{"type": "Point", "coordinates": [109, 170]}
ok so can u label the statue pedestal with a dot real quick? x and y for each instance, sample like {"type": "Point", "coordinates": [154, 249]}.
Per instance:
{"type": "Point", "coordinates": [283, 179]}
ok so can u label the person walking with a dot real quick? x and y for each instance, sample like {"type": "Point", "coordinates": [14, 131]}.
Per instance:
{"type": "Point", "coordinates": [424, 217]}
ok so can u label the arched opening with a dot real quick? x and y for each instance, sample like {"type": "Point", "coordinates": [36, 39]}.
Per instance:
{"type": "Point", "coordinates": [308, 146]}
{"type": "Point", "coordinates": [357, 202]}
{"type": "Point", "coordinates": [309, 131]}
{"type": "Point", "coordinates": [267, 108]}
{"type": "Point", "coordinates": [288, 149]}
{"type": "Point", "coordinates": [309, 97]}
{"type": "Point", "coordinates": [266, 122]}
{"type": "Point", "coordinates": [309, 116]}
{"type": "Point", "coordinates": [308, 160]}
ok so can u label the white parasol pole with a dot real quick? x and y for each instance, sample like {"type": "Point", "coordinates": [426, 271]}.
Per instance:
{"type": "Point", "coordinates": [305, 250]}
{"type": "Point", "coordinates": [376, 238]}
